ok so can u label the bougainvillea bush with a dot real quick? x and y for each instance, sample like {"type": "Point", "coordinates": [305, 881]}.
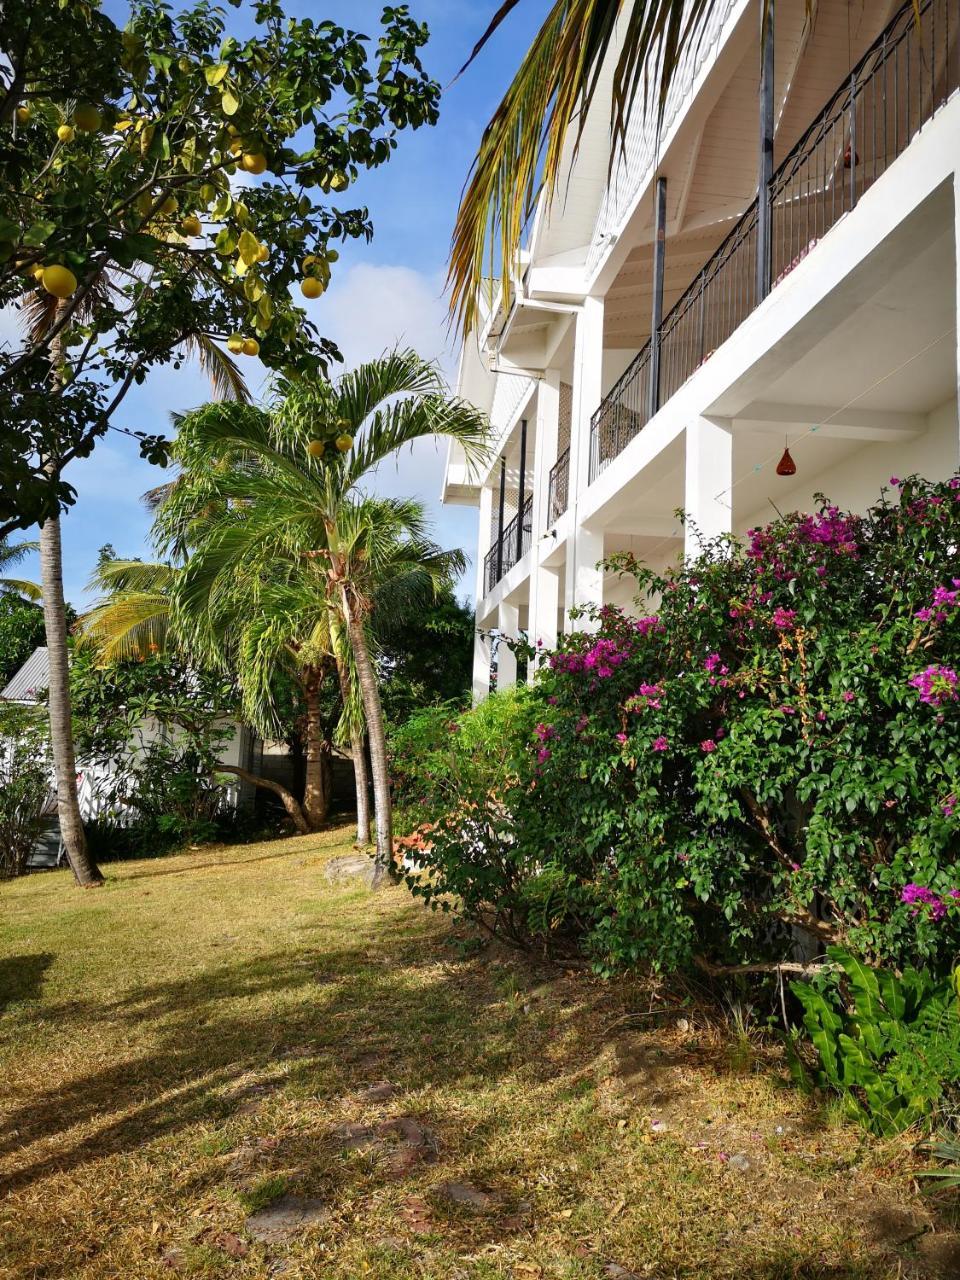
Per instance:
{"type": "Point", "coordinates": [763, 764]}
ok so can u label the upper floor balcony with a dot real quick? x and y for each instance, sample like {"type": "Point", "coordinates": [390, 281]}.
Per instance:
{"type": "Point", "coordinates": [907, 73]}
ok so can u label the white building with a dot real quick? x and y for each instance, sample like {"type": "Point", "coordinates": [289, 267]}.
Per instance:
{"type": "Point", "coordinates": [822, 316]}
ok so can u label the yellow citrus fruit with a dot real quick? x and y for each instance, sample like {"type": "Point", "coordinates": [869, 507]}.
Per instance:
{"type": "Point", "coordinates": [344, 442]}
{"type": "Point", "coordinates": [236, 146]}
{"type": "Point", "coordinates": [23, 115]}
{"type": "Point", "coordinates": [169, 206]}
{"type": "Point", "coordinates": [263, 253]}
{"type": "Point", "coordinates": [251, 347]}
{"type": "Point", "coordinates": [339, 181]}
{"type": "Point", "coordinates": [235, 343]}
{"type": "Point", "coordinates": [316, 448]}
{"type": "Point", "coordinates": [308, 261]}
{"type": "Point", "coordinates": [60, 281]}
{"type": "Point", "coordinates": [65, 133]}
{"type": "Point", "coordinates": [311, 287]}
{"type": "Point", "coordinates": [37, 273]}
{"type": "Point", "coordinates": [254, 162]}
{"type": "Point", "coordinates": [190, 226]}
{"type": "Point", "coordinates": [87, 117]}
{"type": "Point", "coordinates": [333, 255]}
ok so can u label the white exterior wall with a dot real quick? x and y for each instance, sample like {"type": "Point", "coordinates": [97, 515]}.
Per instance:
{"type": "Point", "coordinates": [856, 351]}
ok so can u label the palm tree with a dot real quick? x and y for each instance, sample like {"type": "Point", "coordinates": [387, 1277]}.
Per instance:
{"type": "Point", "coordinates": [522, 151]}
{"type": "Point", "coordinates": [283, 488]}
{"type": "Point", "coordinates": [11, 555]}
{"type": "Point", "coordinates": [41, 313]}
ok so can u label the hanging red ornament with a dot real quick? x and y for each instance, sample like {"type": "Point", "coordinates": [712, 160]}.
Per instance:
{"type": "Point", "coordinates": [786, 466]}
{"type": "Point", "coordinates": [849, 155]}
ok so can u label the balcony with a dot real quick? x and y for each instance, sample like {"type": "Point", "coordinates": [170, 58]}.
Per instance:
{"type": "Point", "coordinates": [908, 72]}
{"type": "Point", "coordinates": [558, 488]}
{"type": "Point", "coordinates": [512, 545]}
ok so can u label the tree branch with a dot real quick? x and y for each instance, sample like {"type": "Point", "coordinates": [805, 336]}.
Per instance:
{"type": "Point", "coordinates": [290, 803]}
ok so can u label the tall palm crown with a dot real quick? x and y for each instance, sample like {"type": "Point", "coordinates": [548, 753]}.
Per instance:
{"type": "Point", "coordinates": [522, 153]}
{"type": "Point", "coordinates": [276, 498]}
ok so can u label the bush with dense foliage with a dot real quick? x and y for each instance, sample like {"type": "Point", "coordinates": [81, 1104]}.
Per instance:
{"type": "Point", "coordinates": [763, 764]}
{"type": "Point", "coordinates": [24, 784]}
{"type": "Point", "coordinates": [888, 1043]}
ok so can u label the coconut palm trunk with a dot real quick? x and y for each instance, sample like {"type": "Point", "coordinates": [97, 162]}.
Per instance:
{"type": "Point", "coordinates": [85, 871]}
{"type": "Point", "coordinates": [316, 791]}
{"type": "Point", "coordinates": [359, 756]}
{"type": "Point", "coordinates": [370, 693]}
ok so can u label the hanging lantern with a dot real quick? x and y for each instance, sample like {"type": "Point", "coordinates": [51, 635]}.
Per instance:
{"type": "Point", "coordinates": [786, 466]}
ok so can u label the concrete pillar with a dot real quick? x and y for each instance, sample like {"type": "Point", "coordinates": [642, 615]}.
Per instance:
{"type": "Point", "coordinates": [484, 538]}
{"type": "Point", "coordinates": [584, 581]}
{"type": "Point", "coordinates": [956, 296]}
{"type": "Point", "coordinates": [544, 610]}
{"type": "Point", "coordinates": [545, 447]}
{"type": "Point", "coordinates": [708, 497]}
{"type": "Point", "coordinates": [508, 624]}
{"type": "Point", "coordinates": [587, 382]}
{"type": "Point", "coordinates": [482, 657]}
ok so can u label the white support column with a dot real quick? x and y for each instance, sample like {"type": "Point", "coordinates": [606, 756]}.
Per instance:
{"type": "Point", "coordinates": [482, 655]}
{"type": "Point", "coordinates": [956, 295]}
{"type": "Point", "coordinates": [587, 382]}
{"type": "Point", "coordinates": [508, 624]}
{"type": "Point", "coordinates": [545, 604]}
{"type": "Point", "coordinates": [482, 658]}
{"type": "Point", "coordinates": [584, 581]}
{"type": "Point", "coordinates": [708, 497]}
{"type": "Point", "coordinates": [545, 448]}
{"type": "Point", "coordinates": [484, 537]}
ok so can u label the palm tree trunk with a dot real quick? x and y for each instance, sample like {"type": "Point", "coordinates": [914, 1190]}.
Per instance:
{"type": "Point", "coordinates": [316, 790]}
{"type": "Point", "coordinates": [359, 756]}
{"type": "Point", "coordinates": [370, 692]}
{"type": "Point", "coordinates": [85, 870]}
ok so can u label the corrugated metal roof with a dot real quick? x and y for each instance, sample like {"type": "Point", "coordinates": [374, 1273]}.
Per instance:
{"type": "Point", "coordinates": [33, 675]}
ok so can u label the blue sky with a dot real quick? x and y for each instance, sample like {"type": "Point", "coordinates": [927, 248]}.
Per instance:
{"type": "Point", "coordinates": [382, 293]}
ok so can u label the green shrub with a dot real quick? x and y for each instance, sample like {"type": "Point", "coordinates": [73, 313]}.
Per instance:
{"type": "Point", "coordinates": [24, 784]}
{"type": "Point", "coordinates": [770, 759]}
{"type": "Point", "coordinates": [889, 1044]}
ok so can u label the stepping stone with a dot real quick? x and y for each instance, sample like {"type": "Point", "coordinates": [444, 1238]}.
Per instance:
{"type": "Point", "coordinates": [354, 1136]}
{"type": "Point", "coordinates": [382, 1091]}
{"type": "Point", "coordinates": [284, 1218]}
{"type": "Point", "coordinates": [464, 1193]}
{"type": "Point", "coordinates": [352, 866]}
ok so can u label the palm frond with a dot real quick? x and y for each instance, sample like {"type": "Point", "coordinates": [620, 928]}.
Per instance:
{"type": "Point", "coordinates": [402, 422]}
{"type": "Point", "coordinates": [11, 553]}
{"type": "Point", "coordinates": [535, 132]}
{"type": "Point", "coordinates": [225, 377]}
{"type": "Point", "coordinates": [21, 587]}
{"type": "Point", "coordinates": [131, 625]}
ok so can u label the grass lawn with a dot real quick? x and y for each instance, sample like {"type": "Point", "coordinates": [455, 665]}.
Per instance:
{"type": "Point", "coordinates": [196, 1039]}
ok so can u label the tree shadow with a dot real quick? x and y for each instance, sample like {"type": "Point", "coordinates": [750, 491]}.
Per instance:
{"type": "Point", "coordinates": [21, 977]}
{"type": "Point", "coordinates": [342, 1019]}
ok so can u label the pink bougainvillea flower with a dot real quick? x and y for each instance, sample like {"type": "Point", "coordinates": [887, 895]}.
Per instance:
{"type": "Point", "coordinates": [660, 744]}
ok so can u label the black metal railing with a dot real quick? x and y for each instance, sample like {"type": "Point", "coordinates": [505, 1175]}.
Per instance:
{"type": "Point", "coordinates": [558, 488]}
{"type": "Point", "coordinates": [905, 75]}
{"type": "Point", "coordinates": [511, 546]}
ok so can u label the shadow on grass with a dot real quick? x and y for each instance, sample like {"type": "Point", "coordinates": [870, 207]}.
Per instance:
{"type": "Point", "coordinates": [342, 1017]}
{"type": "Point", "coordinates": [21, 977]}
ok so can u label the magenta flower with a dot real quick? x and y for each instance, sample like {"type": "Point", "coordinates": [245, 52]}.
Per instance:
{"type": "Point", "coordinates": [936, 685]}
{"type": "Point", "coordinates": [848, 695]}
{"type": "Point", "coordinates": [659, 744]}
{"type": "Point", "coordinates": [919, 896]}
{"type": "Point", "coordinates": [784, 619]}
{"type": "Point", "coordinates": [621, 737]}
{"type": "Point", "coordinates": [708, 745]}
{"type": "Point", "coordinates": [543, 755]}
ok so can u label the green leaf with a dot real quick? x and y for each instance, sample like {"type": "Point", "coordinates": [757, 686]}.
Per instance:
{"type": "Point", "coordinates": [230, 103]}
{"type": "Point", "coordinates": [214, 75]}
{"type": "Point", "coordinates": [38, 234]}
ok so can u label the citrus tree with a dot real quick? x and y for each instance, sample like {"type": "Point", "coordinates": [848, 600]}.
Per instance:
{"type": "Point", "coordinates": [163, 187]}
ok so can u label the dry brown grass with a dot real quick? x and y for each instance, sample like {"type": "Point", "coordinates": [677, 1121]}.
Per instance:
{"type": "Point", "coordinates": [192, 1040]}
